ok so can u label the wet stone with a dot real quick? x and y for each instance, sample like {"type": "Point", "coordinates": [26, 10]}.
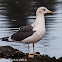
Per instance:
{"type": "Point", "coordinates": [18, 56]}
{"type": "Point", "coordinates": [9, 52]}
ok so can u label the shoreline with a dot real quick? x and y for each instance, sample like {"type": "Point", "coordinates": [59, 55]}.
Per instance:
{"type": "Point", "coordinates": [18, 56]}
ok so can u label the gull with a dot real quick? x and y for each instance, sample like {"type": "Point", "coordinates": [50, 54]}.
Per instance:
{"type": "Point", "coordinates": [32, 33]}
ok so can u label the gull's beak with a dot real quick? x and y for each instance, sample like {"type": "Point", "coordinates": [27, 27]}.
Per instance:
{"type": "Point", "coordinates": [51, 12]}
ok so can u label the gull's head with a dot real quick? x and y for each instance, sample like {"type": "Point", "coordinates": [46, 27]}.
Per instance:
{"type": "Point", "coordinates": [43, 10]}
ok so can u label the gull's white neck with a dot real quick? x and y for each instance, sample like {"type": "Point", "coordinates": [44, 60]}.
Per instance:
{"type": "Point", "coordinates": [40, 21]}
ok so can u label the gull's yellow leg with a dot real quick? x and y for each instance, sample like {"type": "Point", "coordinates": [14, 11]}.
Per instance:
{"type": "Point", "coordinates": [31, 56]}
{"type": "Point", "coordinates": [34, 51]}
{"type": "Point", "coordinates": [28, 49]}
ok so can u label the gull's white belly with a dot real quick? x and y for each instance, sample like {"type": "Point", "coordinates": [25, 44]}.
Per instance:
{"type": "Point", "coordinates": [35, 37]}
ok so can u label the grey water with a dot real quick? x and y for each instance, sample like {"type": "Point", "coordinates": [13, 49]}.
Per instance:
{"type": "Point", "coordinates": [14, 14]}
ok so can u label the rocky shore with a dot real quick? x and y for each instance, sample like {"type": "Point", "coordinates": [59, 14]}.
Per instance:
{"type": "Point", "coordinates": [9, 52]}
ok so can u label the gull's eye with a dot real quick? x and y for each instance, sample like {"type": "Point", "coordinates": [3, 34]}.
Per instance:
{"type": "Point", "coordinates": [44, 9]}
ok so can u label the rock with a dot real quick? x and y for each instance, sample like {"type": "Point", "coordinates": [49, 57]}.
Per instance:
{"type": "Point", "coordinates": [9, 52]}
{"type": "Point", "coordinates": [18, 56]}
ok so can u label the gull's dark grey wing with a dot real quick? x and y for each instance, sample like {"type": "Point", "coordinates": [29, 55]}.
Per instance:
{"type": "Point", "coordinates": [23, 33]}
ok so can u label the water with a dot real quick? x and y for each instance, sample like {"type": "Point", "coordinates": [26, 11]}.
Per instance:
{"type": "Point", "coordinates": [14, 14]}
{"type": "Point", "coordinates": [6, 60]}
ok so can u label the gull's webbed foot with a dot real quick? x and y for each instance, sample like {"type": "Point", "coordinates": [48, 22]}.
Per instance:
{"type": "Point", "coordinates": [37, 53]}
{"type": "Point", "coordinates": [31, 56]}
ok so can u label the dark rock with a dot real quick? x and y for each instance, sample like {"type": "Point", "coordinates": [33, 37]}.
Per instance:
{"type": "Point", "coordinates": [18, 56]}
{"type": "Point", "coordinates": [9, 52]}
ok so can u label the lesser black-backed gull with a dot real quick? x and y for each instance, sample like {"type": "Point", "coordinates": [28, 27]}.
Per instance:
{"type": "Point", "coordinates": [34, 32]}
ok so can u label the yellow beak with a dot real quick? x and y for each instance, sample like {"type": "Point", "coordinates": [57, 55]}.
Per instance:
{"type": "Point", "coordinates": [50, 12]}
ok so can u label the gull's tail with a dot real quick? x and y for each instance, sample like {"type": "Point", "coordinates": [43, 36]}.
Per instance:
{"type": "Point", "coordinates": [4, 39]}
